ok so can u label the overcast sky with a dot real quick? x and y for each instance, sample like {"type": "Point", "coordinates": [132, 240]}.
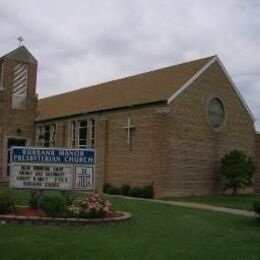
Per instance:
{"type": "Point", "coordinates": [81, 42]}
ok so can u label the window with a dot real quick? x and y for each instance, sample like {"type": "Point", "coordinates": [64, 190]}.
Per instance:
{"type": "Point", "coordinates": [216, 113]}
{"type": "Point", "coordinates": [83, 133]}
{"type": "Point", "coordinates": [19, 86]}
{"type": "Point", "coordinates": [20, 79]}
{"type": "Point", "coordinates": [46, 135]}
{"type": "Point", "coordinates": [73, 134]}
{"type": "Point", "coordinates": [92, 133]}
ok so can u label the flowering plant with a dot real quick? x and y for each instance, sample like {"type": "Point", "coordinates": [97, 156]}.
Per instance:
{"type": "Point", "coordinates": [91, 207]}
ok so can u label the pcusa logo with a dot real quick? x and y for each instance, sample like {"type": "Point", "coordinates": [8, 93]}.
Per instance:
{"type": "Point", "coordinates": [84, 178]}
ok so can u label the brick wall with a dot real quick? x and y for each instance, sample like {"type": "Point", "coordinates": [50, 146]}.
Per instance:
{"type": "Point", "coordinates": [257, 176]}
{"type": "Point", "coordinates": [172, 147]}
{"type": "Point", "coordinates": [194, 148]}
{"type": "Point", "coordinates": [128, 164]}
{"type": "Point", "coordinates": [16, 123]}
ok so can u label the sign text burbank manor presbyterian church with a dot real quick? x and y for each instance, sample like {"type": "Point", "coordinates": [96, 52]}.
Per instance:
{"type": "Point", "coordinates": [50, 168]}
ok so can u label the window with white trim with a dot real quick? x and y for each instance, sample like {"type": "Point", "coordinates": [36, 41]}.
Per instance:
{"type": "Point", "coordinates": [216, 113]}
{"type": "Point", "coordinates": [73, 134]}
{"type": "Point", "coordinates": [46, 135]}
{"type": "Point", "coordinates": [83, 133]}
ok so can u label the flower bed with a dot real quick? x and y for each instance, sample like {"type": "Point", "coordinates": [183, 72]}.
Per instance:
{"type": "Point", "coordinates": [86, 210]}
{"type": "Point", "coordinates": [32, 216]}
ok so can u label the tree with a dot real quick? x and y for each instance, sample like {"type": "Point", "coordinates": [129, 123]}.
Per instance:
{"type": "Point", "coordinates": [237, 170]}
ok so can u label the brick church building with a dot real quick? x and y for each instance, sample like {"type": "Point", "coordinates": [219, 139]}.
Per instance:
{"type": "Point", "coordinates": [167, 127]}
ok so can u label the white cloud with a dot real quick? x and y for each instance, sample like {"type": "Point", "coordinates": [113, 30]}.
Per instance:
{"type": "Point", "coordinates": [78, 43]}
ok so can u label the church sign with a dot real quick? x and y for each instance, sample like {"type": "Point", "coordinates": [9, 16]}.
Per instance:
{"type": "Point", "coordinates": [52, 169]}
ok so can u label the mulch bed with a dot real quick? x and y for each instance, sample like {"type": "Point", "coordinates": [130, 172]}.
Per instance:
{"type": "Point", "coordinates": [28, 212]}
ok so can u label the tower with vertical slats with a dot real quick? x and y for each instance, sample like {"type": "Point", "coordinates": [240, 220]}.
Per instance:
{"type": "Point", "coordinates": [18, 101]}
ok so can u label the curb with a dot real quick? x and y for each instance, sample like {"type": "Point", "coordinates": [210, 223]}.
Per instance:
{"type": "Point", "coordinates": [63, 221]}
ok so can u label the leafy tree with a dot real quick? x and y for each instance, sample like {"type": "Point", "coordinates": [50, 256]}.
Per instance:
{"type": "Point", "coordinates": [237, 170]}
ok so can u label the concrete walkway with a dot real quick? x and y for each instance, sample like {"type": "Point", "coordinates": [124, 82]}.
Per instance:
{"type": "Point", "coordinates": [194, 205]}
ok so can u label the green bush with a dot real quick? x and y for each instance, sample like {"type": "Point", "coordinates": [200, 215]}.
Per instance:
{"type": "Point", "coordinates": [136, 192]}
{"type": "Point", "coordinates": [124, 190]}
{"type": "Point", "coordinates": [147, 192]}
{"type": "Point", "coordinates": [237, 170]}
{"type": "Point", "coordinates": [34, 199]}
{"type": "Point", "coordinates": [53, 205]}
{"type": "Point", "coordinates": [7, 201]}
{"type": "Point", "coordinates": [69, 197]}
{"type": "Point", "coordinates": [114, 190]}
{"type": "Point", "coordinates": [256, 207]}
{"type": "Point", "coordinates": [106, 187]}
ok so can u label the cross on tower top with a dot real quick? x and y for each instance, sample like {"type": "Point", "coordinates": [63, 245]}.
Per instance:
{"type": "Point", "coordinates": [20, 40]}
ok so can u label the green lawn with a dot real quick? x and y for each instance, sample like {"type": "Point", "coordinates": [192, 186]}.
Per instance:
{"type": "Point", "coordinates": [155, 232]}
{"type": "Point", "coordinates": [237, 202]}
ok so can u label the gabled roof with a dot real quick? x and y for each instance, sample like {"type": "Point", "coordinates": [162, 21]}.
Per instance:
{"type": "Point", "coordinates": [20, 54]}
{"type": "Point", "coordinates": [163, 85]}
{"type": "Point", "coordinates": [145, 88]}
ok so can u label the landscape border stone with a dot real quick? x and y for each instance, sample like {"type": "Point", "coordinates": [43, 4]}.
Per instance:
{"type": "Point", "coordinates": [63, 221]}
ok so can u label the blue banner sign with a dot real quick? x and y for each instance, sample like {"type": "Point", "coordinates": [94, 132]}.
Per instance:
{"type": "Point", "coordinates": [52, 168]}
{"type": "Point", "coordinates": [53, 155]}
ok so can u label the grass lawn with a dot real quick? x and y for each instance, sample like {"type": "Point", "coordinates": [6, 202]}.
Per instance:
{"type": "Point", "coordinates": [238, 202]}
{"type": "Point", "coordinates": [155, 232]}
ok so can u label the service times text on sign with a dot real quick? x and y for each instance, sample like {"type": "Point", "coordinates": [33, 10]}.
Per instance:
{"type": "Point", "coordinates": [56, 169]}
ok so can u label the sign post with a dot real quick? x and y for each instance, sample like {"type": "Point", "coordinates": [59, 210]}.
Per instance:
{"type": "Point", "coordinates": [52, 168]}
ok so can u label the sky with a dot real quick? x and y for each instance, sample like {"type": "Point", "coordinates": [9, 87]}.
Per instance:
{"type": "Point", "coordinates": [83, 42]}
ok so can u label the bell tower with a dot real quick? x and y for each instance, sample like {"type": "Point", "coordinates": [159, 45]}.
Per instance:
{"type": "Point", "coordinates": [18, 101]}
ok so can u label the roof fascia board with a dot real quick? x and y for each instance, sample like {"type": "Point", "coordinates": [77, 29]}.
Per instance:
{"type": "Point", "coordinates": [191, 80]}
{"type": "Point", "coordinates": [235, 88]}
{"type": "Point", "coordinates": [102, 110]}
{"type": "Point", "coordinates": [203, 69]}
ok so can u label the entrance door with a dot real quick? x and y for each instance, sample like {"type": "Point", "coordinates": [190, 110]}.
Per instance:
{"type": "Point", "coordinates": [10, 143]}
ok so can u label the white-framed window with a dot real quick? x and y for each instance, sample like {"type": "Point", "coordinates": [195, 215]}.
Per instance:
{"type": "Point", "coordinates": [92, 133]}
{"type": "Point", "coordinates": [82, 133]}
{"type": "Point", "coordinates": [73, 134]}
{"type": "Point", "coordinates": [216, 113]}
{"type": "Point", "coordinates": [83, 130]}
{"type": "Point", "coordinates": [46, 135]}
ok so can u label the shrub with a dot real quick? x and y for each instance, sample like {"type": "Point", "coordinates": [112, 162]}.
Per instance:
{"type": "Point", "coordinates": [53, 205]}
{"type": "Point", "coordinates": [34, 199]}
{"type": "Point", "coordinates": [73, 211]}
{"type": "Point", "coordinates": [114, 190]}
{"type": "Point", "coordinates": [124, 190]}
{"type": "Point", "coordinates": [256, 207]}
{"type": "Point", "coordinates": [90, 207]}
{"type": "Point", "coordinates": [136, 192]}
{"type": "Point", "coordinates": [69, 197]}
{"type": "Point", "coordinates": [237, 170]}
{"type": "Point", "coordinates": [147, 191]}
{"type": "Point", "coordinates": [7, 201]}
{"type": "Point", "coordinates": [106, 187]}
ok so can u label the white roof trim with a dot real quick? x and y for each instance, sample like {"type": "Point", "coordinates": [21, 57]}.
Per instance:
{"type": "Point", "coordinates": [190, 81]}
{"type": "Point", "coordinates": [235, 88]}
{"type": "Point", "coordinates": [204, 68]}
